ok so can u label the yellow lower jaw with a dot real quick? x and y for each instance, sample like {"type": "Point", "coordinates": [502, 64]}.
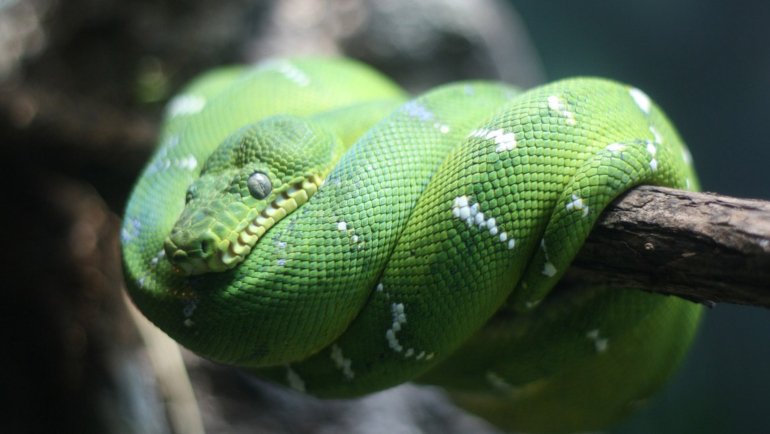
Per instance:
{"type": "Point", "coordinates": [235, 252]}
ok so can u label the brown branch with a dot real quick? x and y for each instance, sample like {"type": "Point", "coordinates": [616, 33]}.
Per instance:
{"type": "Point", "coordinates": [700, 246]}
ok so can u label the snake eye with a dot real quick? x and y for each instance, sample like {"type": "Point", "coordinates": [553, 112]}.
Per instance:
{"type": "Point", "coordinates": [259, 185]}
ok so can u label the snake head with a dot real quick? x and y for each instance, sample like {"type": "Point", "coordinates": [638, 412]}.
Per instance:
{"type": "Point", "coordinates": [252, 180]}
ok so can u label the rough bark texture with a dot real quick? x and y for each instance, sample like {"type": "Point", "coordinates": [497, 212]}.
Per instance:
{"type": "Point", "coordinates": [700, 246]}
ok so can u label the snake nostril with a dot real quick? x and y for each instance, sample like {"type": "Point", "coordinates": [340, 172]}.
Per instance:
{"type": "Point", "coordinates": [205, 247]}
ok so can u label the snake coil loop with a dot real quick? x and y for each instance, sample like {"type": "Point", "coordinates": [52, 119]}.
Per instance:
{"type": "Point", "coordinates": [302, 220]}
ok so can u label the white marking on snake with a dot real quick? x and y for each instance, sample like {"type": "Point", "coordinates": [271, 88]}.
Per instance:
{"type": "Point", "coordinates": [158, 165]}
{"type": "Point", "coordinates": [615, 147]}
{"type": "Point", "coordinates": [600, 343]}
{"type": "Point", "coordinates": [130, 230]}
{"type": "Point", "coordinates": [183, 105]}
{"type": "Point", "coordinates": [558, 105]}
{"type": "Point", "coordinates": [155, 259]}
{"type": "Point", "coordinates": [577, 204]}
{"type": "Point", "coordinates": [505, 141]}
{"type": "Point", "coordinates": [641, 99]}
{"type": "Point", "coordinates": [686, 156]}
{"type": "Point", "coordinates": [442, 128]}
{"type": "Point", "coordinates": [342, 226]}
{"type": "Point", "coordinates": [287, 69]}
{"type": "Point", "coordinates": [416, 110]}
{"type": "Point", "coordinates": [492, 225]}
{"type": "Point", "coordinates": [532, 304]}
{"type": "Point", "coordinates": [399, 318]}
{"type": "Point", "coordinates": [294, 380]}
{"type": "Point", "coordinates": [463, 209]}
{"type": "Point", "coordinates": [170, 142]}
{"type": "Point", "coordinates": [460, 208]}
{"type": "Point", "coordinates": [342, 363]}
{"type": "Point", "coordinates": [656, 135]}
{"type": "Point", "coordinates": [652, 149]}
{"type": "Point", "coordinates": [479, 220]}
{"type": "Point", "coordinates": [188, 163]}
{"type": "Point", "coordinates": [498, 382]}
{"type": "Point", "coordinates": [548, 268]}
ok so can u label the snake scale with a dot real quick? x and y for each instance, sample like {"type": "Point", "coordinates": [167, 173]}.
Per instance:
{"type": "Point", "coordinates": [305, 220]}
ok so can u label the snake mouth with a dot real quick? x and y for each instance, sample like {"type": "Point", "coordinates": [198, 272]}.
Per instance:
{"type": "Point", "coordinates": [286, 202]}
{"type": "Point", "coordinates": [214, 254]}
{"type": "Point", "coordinates": [188, 262]}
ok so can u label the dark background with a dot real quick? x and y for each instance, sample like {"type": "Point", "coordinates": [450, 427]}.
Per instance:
{"type": "Point", "coordinates": [707, 64]}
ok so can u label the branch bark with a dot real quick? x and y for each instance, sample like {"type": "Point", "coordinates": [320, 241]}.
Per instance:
{"type": "Point", "coordinates": [700, 246]}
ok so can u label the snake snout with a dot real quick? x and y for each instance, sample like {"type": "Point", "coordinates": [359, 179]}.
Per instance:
{"type": "Point", "coordinates": [190, 254]}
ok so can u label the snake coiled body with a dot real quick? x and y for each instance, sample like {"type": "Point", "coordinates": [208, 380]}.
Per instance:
{"type": "Point", "coordinates": [304, 220]}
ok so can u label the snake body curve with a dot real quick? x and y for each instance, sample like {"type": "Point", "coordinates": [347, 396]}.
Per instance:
{"type": "Point", "coordinates": [304, 220]}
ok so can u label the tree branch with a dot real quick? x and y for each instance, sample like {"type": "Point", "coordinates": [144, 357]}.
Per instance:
{"type": "Point", "coordinates": [700, 246]}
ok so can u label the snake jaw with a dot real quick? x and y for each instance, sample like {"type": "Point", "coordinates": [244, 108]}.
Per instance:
{"type": "Point", "coordinates": [190, 262]}
{"type": "Point", "coordinates": [231, 250]}
{"type": "Point", "coordinates": [285, 203]}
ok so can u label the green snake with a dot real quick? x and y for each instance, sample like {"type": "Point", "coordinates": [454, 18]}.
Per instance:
{"type": "Point", "coordinates": [304, 220]}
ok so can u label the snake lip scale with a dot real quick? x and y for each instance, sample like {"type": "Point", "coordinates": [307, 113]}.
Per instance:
{"type": "Point", "coordinates": [307, 221]}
